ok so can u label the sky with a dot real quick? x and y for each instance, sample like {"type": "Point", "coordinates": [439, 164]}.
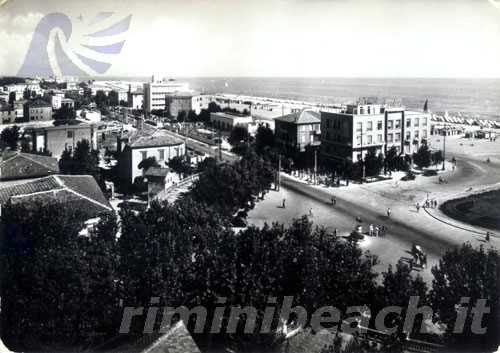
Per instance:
{"type": "Point", "coordinates": [275, 38]}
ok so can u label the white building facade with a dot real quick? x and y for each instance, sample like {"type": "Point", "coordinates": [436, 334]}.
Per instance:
{"type": "Point", "coordinates": [366, 126]}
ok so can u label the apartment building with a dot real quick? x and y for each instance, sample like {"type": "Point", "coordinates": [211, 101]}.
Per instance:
{"type": "Point", "coordinates": [155, 93]}
{"type": "Point", "coordinates": [141, 145]}
{"type": "Point", "coordinates": [294, 132]}
{"type": "Point", "coordinates": [37, 110]}
{"type": "Point", "coordinates": [56, 139]}
{"type": "Point", "coordinates": [227, 121]}
{"type": "Point", "coordinates": [369, 125]}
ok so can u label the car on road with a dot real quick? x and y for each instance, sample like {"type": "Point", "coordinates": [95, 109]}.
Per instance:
{"type": "Point", "coordinates": [409, 176]}
{"type": "Point", "coordinates": [430, 172]}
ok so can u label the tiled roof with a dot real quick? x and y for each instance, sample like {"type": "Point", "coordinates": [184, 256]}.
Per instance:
{"type": "Point", "coordinates": [39, 103]}
{"type": "Point", "coordinates": [177, 339]}
{"type": "Point", "coordinates": [18, 165]}
{"type": "Point", "coordinates": [157, 138]}
{"type": "Point", "coordinates": [78, 191]}
{"type": "Point", "coordinates": [304, 117]}
{"type": "Point", "coordinates": [307, 341]}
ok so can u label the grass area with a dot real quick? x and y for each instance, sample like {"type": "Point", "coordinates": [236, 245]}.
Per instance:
{"type": "Point", "coordinates": [480, 209]}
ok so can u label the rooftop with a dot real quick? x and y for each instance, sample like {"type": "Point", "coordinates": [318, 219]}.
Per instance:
{"type": "Point", "coordinates": [158, 138]}
{"type": "Point", "coordinates": [231, 115]}
{"type": "Point", "coordinates": [39, 103]}
{"type": "Point", "coordinates": [78, 191]}
{"type": "Point", "coordinates": [304, 117]}
{"type": "Point", "coordinates": [176, 339]}
{"type": "Point", "coordinates": [18, 165]}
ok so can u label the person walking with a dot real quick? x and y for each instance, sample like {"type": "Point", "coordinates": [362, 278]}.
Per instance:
{"type": "Point", "coordinates": [389, 212]}
{"type": "Point", "coordinates": [487, 237]}
{"type": "Point", "coordinates": [335, 232]}
{"type": "Point", "coordinates": [310, 212]}
{"type": "Point", "coordinates": [370, 230]}
{"type": "Point", "coordinates": [334, 200]}
{"type": "Point", "coordinates": [284, 203]}
{"type": "Point", "coordinates": [377, 230]}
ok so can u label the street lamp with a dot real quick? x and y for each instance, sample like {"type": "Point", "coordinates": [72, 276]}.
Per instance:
{"type": "Point", "coordinates": [444, 145]}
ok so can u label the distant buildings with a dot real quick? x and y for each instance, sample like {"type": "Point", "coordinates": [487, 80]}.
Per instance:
{"type": "Point", "coordinates": [369, 125]}
{"type": "Point", "coordinates": [135, 99]}
{"type": "Point", "coordinates": [178, 102]}
{"type": "Point", "coordinates": [91, 115]}
{"type": "Point", "coordinates": [296, 131]}
{"type": "Point", "coordinates": [68, 103]}
{"type": "Point", "coordinates": [56, 96]}
{"type": "Point", "coordinates": [18, 165]}
{"type": "Point", "coordinates": [37, 110]}
{"type": "Point", "coordinates": [155, 93]}
{"type": "Point", "coordinates": [58, 138]}
{"type": "Point", "coordinates": [139, 146]}
{"type": "Point", "coordinates": [7, 114]}
{"type": "Point", "coordinates": [227, 121]}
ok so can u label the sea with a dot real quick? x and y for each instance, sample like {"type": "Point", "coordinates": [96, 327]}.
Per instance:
{"type": "Point", "coordinates": [471, 98]}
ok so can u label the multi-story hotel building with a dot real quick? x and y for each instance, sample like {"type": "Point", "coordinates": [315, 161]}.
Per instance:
{"type": "Point", "coordinates": [368, 125]}
{"type": "Point", "coordinates": [296, 131]}
{"type": "Point", "coordinates": [155, 93]}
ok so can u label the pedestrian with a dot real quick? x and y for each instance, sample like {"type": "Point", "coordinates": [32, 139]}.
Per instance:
{"type": "Point", "coordinates": [310, 212]}
{"type": "Point", "coordinates": [370, 230]}
{"type": "Point", "coordinates": [335, 232]}
{"type": "Point", "coordinates": [334, 200]}
{"type": "Point", "coordinates": [488, 237]}
{"type": "Point", "coordinates": [417, 206]}
{"type": "Point", "coordinates": [284, 203]}
{"type": "Point", "coordinates": [435, 203]}
{"type": "Point", "coordinates": [389, 212]}
{"type": "Point", "coordinates": [377, 230]}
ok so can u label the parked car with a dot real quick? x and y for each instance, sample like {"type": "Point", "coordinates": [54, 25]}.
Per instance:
{"type": "Point", "coordinates": [409, 176]}
{"type": "Point", "coordinates": [430, 172]}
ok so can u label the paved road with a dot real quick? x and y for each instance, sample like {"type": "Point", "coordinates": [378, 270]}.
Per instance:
{"type": "Point", "coordinates": [433, 244]}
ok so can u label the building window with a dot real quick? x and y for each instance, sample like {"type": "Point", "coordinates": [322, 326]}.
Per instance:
{"type": "Point", "coordinates": [379, 138]}
{"type": "Point", "coordinates": [397, 137]}
{"type": "Point", "coordinates": [390, 124]}
{"type": "Point", "coordinates": [416, 122]}
{"type": "Point", "coordinates": [424, 134]}
{"type": "Point", "coordinates": [379, 125]}
{"type": "Point", "coordinates": [358, 141]}
{"type": "Point", "coordinates": [369, 139]}
{"type": "Point", "coordinates": [424, 121]}
{"type": "Point", "coordinates": [397, 124]}
{"type": "Point", "coordinates": [161, 154]}
{"type": "Point", "coordinates": [408, 122]}
{"type": "Point", "coordinates": [144, 154]}
{"type": "Point", "coordinates": [70, 134]}
{"type": "Point", "coordinates": [359, 127]}
{"type": "Point", "coordinates": [408, 135]}
{"type": "Point", "coordinates": [389, 138]}
{"type": "Point", "coordinates": [369, 126]}
{"type": "Point", "coordinates": [416, 135]}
